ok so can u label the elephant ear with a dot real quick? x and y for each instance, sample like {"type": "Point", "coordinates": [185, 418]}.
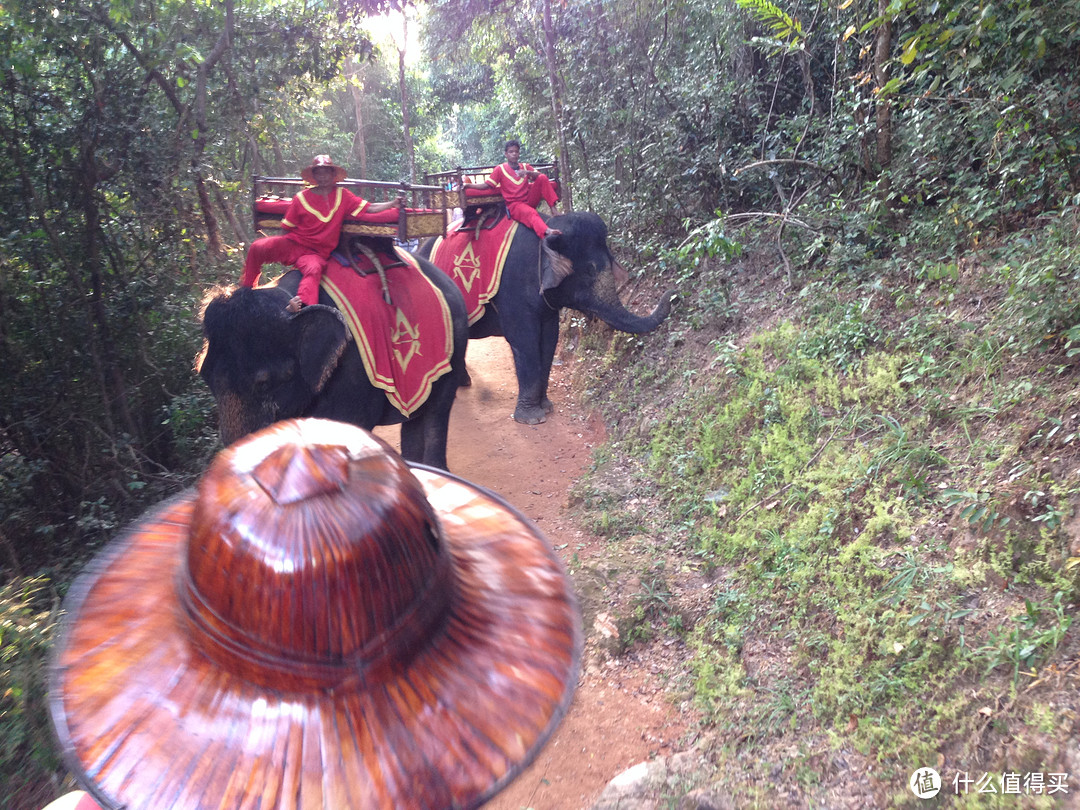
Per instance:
{"type": "Point", "coordinates": [554, 267]}
{"type": "Point", "coordinates": [321, 339]}
{"type": "Point", "coordinates": [621, 276]}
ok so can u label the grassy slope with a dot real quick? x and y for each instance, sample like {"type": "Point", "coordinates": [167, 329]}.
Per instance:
{"type": "Point", "coordinates": [874, 480]}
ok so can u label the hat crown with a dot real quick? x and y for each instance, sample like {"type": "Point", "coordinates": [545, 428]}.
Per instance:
{"type": "Point", "coordinates": [313, 560]}
{"type": "Point", "coordinates": [322, 161]}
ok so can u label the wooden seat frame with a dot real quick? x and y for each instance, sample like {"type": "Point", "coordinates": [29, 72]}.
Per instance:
{"type": "Point", "coordinates": [425, 213]}
{"type": "Point", "coordinates": [478, 174]}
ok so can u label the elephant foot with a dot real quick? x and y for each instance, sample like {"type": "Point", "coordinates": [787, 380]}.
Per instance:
{"type": "Point", "coordinates": [547, 405]}
{"type": "Point", "coordinates": [530, 415]}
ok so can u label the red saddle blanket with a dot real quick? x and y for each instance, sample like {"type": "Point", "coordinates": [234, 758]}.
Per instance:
{"type": "Point", "coordinates": [405, 345]}
{"type": "Point", "coordinates": [475, 262]}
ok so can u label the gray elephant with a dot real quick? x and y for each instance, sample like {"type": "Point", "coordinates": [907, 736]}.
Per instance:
{"type": "Point", "coordinates": [526, 308]}
{"type": "Point", "coordinates": [263, 364]}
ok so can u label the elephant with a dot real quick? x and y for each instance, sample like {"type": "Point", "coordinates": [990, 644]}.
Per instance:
{"type": "Point", "coordinates": [525, 310]}
{"type": "Point", "coordinates": [263, 364]}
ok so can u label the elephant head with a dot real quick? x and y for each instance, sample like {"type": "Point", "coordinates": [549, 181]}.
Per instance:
{"type": "Point", "coordinates": [263, 364]}
{"type": "Point", "coordinates": [580, 272]}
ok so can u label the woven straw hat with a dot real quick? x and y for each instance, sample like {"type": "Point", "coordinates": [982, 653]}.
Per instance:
{"type": "Point", "coordinates": [321, 626]}
{"type": "Point", "coordinates": [323, 160]}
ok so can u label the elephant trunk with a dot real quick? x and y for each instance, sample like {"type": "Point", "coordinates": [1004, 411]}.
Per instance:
{"type": "Point", "coordinates": [237, 418]}
{"type": "Point", "coordinates": [619, 317]}
{"type": "Point", "coordinates": [602, 301]}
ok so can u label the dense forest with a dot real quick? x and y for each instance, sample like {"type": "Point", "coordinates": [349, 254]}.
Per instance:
{"type": "Point", "coordinates": [854, 149]}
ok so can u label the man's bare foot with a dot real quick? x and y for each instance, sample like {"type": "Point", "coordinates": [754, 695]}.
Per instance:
{"type": "Point", "coordinates": [552, 232]}
{"type": "Point", "coordinates": [294, 305]}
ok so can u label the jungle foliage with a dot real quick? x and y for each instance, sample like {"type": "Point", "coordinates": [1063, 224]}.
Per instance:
{"type": "Point", "coordinates": [865, 147]}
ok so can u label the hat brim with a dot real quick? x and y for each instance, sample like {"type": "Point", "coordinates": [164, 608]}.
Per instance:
{"type": "Point", "coordinates": [308, 174]}
{"type": "Point", "coordinates": [148, 721]}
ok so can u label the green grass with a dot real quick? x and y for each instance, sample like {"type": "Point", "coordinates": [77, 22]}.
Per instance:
{"type": "Point", "coordinates": [886, 491]}
{"type": "Point", "coordinates": [28, 613]}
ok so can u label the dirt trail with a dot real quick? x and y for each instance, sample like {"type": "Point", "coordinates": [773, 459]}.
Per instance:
{"type": "Point", "coordinates": [620, 715]}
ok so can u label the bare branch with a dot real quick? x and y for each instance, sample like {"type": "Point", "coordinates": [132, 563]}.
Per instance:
{"type": "Point", "coordinates": [770, 215]}
{"type": "Point", "coordinates": [788, 161]}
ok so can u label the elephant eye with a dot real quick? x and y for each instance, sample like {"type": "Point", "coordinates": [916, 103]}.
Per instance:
{"type": "Point", "coordinates": [268, 378]}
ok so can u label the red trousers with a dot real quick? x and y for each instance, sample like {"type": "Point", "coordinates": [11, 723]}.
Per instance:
{"type": "Point", "coordinates": [282, 250]}
{"type": "Point", "coordinates": [524, 211]}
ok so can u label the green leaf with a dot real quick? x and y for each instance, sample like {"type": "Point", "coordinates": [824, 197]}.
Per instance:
{"type": "Point", "coordinates": [910, 51]}
{"type": "Point", "coordinates": [890, 87]}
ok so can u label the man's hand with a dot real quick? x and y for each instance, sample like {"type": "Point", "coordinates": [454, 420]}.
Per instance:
{"type": "Point", "coordinates": [294, 305]}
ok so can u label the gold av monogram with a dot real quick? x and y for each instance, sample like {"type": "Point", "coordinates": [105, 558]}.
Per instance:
{"type": "Point", "coordinates": [467, 266]}
{"type": "Point", "coordinates": [405, 339]}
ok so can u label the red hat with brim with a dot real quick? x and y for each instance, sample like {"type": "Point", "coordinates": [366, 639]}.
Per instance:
{"type": "Point", "coordinates": [321, 626]}
{"type": "Point", "coordinates": [323, 160]}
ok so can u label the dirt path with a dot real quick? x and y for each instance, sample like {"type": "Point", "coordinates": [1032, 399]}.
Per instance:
{"type": "Point", "coordinates": [620, 715]}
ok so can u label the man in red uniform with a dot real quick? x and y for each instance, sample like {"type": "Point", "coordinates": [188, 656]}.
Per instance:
{"type": "Point", "coordinates": [312, 227]}
{"type": "Point", "coordinates": [522, 187]}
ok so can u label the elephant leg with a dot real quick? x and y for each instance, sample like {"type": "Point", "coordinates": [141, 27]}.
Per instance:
{"type": "Point", "coordinates": [530, 408]}
{"type": "Point", "coordinates": [412, 440]}
{"type": "Point", "coordinates": [549, 340]}
{"type": "Point", "coordinates": [528, 365]}
{"type": "Point", "coordinates": [423, 438]}
{"type": "Point", "coordinates": [423, 441]}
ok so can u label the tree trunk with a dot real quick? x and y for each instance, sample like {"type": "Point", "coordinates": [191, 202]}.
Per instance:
{"type": "Point", "coordinates": [210, 222]}
{"type": "Point", "coordinates": [230, 215]}
{"type": "Point", "coordinates": [882, 47]}
{"type": "Point", "coordinates": [279, 156]}
{"type": "Point", "coordinates": [102, 347]}
{"type": "Point", "coordinates": [565, 173]}
{"type": "Point", "coordinates": [213, 233]}
{"type": "Point", "coordinates": [355, 72]}
{"type": "Point", "coordinates": [409, 154]}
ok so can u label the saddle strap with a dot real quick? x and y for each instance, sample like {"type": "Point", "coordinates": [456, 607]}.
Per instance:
{"type": "Point", "coordinates": [374, 259]}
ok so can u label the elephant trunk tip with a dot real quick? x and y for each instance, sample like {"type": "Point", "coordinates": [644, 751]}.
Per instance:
{"type": "Point", "coordinates": [662, 310]}
{"type": "Point", "coordinates": [667, 300]}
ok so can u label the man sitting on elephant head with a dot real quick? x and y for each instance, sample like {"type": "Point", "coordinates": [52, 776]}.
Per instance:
{"type": "Point", "coordinates": [522, 187]}
{"type": "Point", "coordinates": [312, 227]}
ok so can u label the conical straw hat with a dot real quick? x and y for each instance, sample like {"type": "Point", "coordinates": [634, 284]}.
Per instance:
{"type": "Point", "coordinates": [308, 173]}
{"type": "Point", "coordinates": [320, 626]}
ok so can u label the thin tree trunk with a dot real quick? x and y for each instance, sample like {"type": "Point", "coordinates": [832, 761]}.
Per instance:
{"type": "Point", "coordinates": [356, 88]}
{"type": "Point", "coordinates": [227, 210]}
{"type": "Point", "coordinates": [409, 154]}
{"type": "Point", "coordinates": [213, 233]}
{"type": "Point", "coordinates": [565, 173]}
{"type": "Point", "coordinates": [882, 47]}
{"type": "Point", "coordinates": [279, 156]}
{"type": "Point", "coordinates": [103, 349]}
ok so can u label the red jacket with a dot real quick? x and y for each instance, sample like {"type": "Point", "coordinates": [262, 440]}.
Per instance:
{"type": "Point", "coordinates": [314, 221]}
{"type": "Point", "coordinates": [514, 188]}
